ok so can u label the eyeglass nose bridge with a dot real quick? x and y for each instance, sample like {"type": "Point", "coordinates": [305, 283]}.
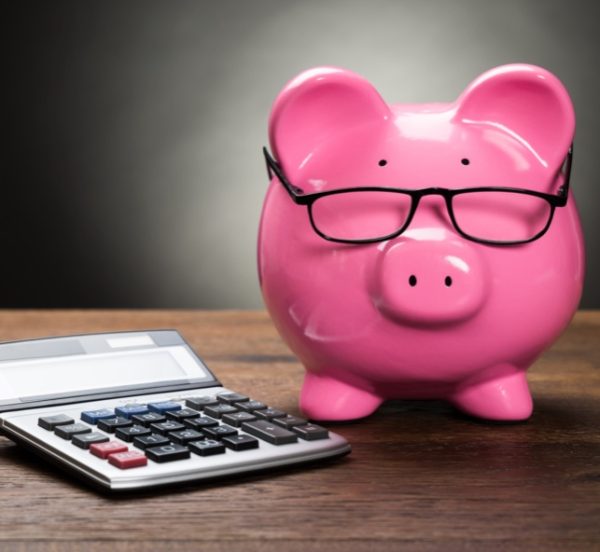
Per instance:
{"type": "Point", "coordinates": [444, 193]}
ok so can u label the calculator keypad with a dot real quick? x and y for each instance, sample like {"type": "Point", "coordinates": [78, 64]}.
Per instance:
{"type": "Point", "coordinates": [166, 431]}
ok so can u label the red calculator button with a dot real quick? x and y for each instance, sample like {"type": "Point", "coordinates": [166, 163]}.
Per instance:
{"type": "Point", "coordinates": [104, 449]}
{"type": "Point", "coordinates": [129, 459]}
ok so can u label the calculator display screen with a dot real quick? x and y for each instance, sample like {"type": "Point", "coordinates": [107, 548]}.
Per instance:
{"type": "Point", "coordinates": [79, 374]}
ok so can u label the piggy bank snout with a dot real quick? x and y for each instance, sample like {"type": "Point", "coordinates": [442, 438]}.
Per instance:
{"type": "Point", "coordinates": [430, 282]}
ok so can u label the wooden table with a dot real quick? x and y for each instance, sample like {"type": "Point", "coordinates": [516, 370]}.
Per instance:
{"type": "Point", "coordinates": [420, 477]}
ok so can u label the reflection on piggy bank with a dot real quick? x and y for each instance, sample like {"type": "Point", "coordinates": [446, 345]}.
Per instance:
{"type": "Point", "coordinates": [420, 251]}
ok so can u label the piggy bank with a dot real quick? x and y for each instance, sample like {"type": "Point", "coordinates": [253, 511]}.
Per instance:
{"type": "Point", "coordinates": [420, 251]}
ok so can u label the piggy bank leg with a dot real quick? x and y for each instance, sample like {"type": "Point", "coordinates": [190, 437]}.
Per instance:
{"type": "Point", "coordinates": [503, 398]}
{"type": "Point", "coordinates": [325, 398]}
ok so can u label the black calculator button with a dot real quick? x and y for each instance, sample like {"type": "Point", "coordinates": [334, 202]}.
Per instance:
{"type": "Point", "coordinates": [146, 441]}
{"type": "Point", "coordinates": [199, 403]}
{"type": "Point", "coordinates": [289, 421]}
{"type": "Point", "coordinates": [67, 431]}
{"type": "Point", "coordinates": [250, 406]}
{"type": "Point", "coordinates": [218, 432]}
{"type": "Point", "coordinates": [231, 398]}
{"type": "Point", "coordinates": [130, 433]}
{"type": "Point", "coordinates": [238, 418]}
{"type": "Point", "coordinates": [218, 410]}
{"type": "Point", "coordinates": [149, 418]}
{"type": "Point", "coordinates": [164, 427]}
{"type": "Point", "coordinates": [86, 439]}
{"type": "Point", "coordinates": [270, 413]}
{"type": "Point", "coordinates": [112, 424]}
{"type": "Point", "coordinates": [207, 447]}
{"type": "Point", "coordinates": [268, 431]}
{"type": "Point", "coordinates": [311, 432]}
{"type": "Point", "coordinates": [168, 453]}
{"type": "Point", "coordinates": [183, 414]}
{"type": "Point", "coordinates": [199, 423]}
{"type": "Point", "coordinates": [50, 422]}
{"type": "Point", "coordinates": [184, 436]}
{"type": "Point", "coordinates": [240, 442]}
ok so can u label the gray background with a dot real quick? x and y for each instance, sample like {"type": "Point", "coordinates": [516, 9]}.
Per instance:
{"type": "Point", "coordinates": [131, 166]}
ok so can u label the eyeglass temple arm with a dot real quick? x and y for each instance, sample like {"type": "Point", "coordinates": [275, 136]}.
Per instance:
{"type": "Point", "coordinates": [563, 191]}
{"type": "Point", "coordinates": [273, 167]}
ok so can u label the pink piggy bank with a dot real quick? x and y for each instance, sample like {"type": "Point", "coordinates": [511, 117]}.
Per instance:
{"type": "Point", "coordinates": [420, 251]}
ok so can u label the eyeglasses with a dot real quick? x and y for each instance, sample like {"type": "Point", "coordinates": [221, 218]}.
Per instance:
{"type": "Point", "coordinates": [488, 215]}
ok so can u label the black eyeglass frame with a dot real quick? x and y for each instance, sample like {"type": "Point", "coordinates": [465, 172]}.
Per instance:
{"type": "Point", "coordinates": [300, 198]}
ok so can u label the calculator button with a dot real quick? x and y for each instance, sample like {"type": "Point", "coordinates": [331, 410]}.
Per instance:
{"type": "Point", "coordinates": [148, 418]}
{"type": "Point", "coordinates": [102, 450]}
{"type": "Point", "coordinates": [129, 459]}
{"type": "Point", "coordinates": [207, 447]}
{"type": "Point", "coordinates": [50, 422]}
{"type": "Point", "coordinates": [199, 423]}
{"type": "Point", "coordinates": [184, 436]}
{"type": "Point", "coordinates": [250, 406]}
{"type": "Point", "coordinates": [218, 410]}
{"type": "Point", "coordinates": [238, 418]}
{"type": "Point", "coordinates": [129, 410]}
{"type": "Point", "coordinates": [183, 414]}
{"type": "Point", "coordinates": [219, 431]}
{"type": "Point", "coordinates": [130, 433]}
{"type": "Point", "coordinates": [162, 407]}
{"type": "Point", "coordinates": [311, 432]}
{"type": "Point", "coordinates": [268, 431]}
{"type": "Point", "coordinates": [289, 421]}
{"type": "Point", "coordinates": [67, 431]}
{"type": "Point", "coordinates": [146, 441]}
{"type": "Point", "coordinates": [167, 453]}
{"type": "Point", "coordinates": [231, 398]}
{"type": "Point", "coordinates": [270, 413]}
{"type": "Point", "coordinates": [164, 427]}
{"type": "Point", "coordinates": [111, 424]}
{"type": "Point", "coordinates": [85, 440]}
{"type": "Point", "coordinates": [240, 442]}
{"type": "Point", "coordinates": [199, 403]}
{"type": "Point", "coordinates": [92, 416]}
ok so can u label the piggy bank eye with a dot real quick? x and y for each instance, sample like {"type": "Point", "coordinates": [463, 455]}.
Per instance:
{"type": "Point", "coordinates": [382, 163]}
{"type": "Point", "coordinates": [465, 161]}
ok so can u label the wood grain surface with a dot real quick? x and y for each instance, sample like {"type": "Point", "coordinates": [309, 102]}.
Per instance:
{"type": "Point", "coordinates": [420, 477]}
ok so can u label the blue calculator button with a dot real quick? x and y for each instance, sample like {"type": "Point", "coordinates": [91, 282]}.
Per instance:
{"type": "Point", "coordinates": [92, 416]}
{"type": "Point", "coordinates": [167, 406]}
{"type": "Point", "coordinates": [129, 410]}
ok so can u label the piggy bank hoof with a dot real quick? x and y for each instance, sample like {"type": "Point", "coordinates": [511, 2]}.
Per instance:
{"type": "Point", "coordinates": [325, 398]}
{"type": "Point", "coordinates": [505, 399]}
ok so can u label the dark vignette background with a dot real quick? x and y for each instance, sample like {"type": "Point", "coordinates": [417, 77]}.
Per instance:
{"type": "Point", "coordinates": [131, 169]}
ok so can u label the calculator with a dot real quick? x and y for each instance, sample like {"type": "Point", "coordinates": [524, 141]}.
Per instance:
{"type": "Point", "coordinates": [132, 410]}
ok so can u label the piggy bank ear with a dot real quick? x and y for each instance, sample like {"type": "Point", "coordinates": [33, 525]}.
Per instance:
{"type": "Point", "coordinates": [317, 105]}
{"type": "Point", "coordinates": [526, 101]}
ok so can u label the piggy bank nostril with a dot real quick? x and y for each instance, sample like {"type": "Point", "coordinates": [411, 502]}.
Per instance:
{"type": "Point", "coordinates": [448, 281]}
{"type": "Point", "coordinates": [412, 280]}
